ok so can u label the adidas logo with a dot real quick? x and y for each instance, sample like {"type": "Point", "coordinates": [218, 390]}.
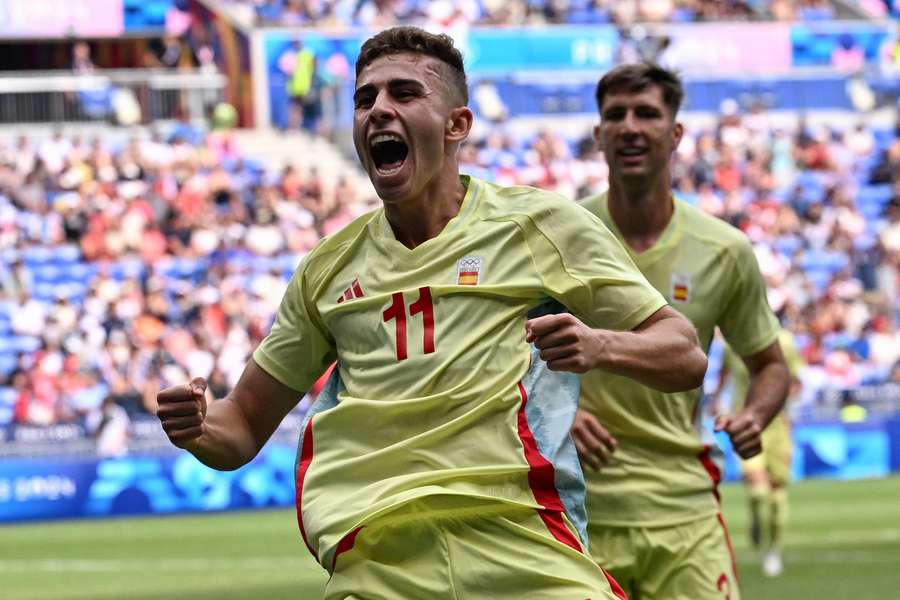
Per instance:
{"type": "Point", "coordinates": [354, 291]}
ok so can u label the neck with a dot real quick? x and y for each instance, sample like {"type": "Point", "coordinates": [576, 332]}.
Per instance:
{"type": "Point", "coordinates": [417, 219]}
{"type": "Point", "coordinates": [641, 213]}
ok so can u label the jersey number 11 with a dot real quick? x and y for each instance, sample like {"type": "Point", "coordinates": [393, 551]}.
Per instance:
{"type": "Point", "coordinates": [397, 311]}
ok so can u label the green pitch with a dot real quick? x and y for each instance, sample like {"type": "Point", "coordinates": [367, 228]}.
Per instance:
{"type": "Point", "coordinates": [843, 541]}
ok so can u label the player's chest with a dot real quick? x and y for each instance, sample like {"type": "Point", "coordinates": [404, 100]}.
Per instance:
{"type": "Point", "coordinates": [384, 304]}
{"type": "Point", "coordinates": [693, 283]}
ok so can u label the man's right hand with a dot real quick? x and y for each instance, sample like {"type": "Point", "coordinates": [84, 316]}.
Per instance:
{"type": "Point", "coordinates": [594, 443]}
{"type": "Point", "coordinates": [182, 411]}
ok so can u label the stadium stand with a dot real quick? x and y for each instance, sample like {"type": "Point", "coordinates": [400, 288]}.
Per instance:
{"type": "Point", "coordinates": [442, 13]}
{"type": "Point", "coordinates": [131, 262]}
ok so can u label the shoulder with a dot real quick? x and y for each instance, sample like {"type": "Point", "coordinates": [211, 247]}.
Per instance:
{"type": "Point", "coordinates": [714, 233]}
{"type": "Point", "coordinates": [502, 203]}
{"type": "Point", "coordinates": [325, 253]}
{"type": "Point", "coordinates": [594, 204]}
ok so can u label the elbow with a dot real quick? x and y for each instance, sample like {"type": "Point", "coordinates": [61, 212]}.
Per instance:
{"type": "Point", "coordinates": [696, 370]}
{"type": "Point", "coordinates": [689, 375]}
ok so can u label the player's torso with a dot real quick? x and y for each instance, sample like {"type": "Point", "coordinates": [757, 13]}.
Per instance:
{"type": "Point", "coordinates": [655, 476]}
{"type": "Point", "coordinates": [447, 315]}
{"type": "Point", "coordinates": [693, 276]}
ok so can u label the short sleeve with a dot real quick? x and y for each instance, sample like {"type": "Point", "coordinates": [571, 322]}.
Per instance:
{"type": "Point", "coordinates": [299, 348]}
{"type": "Point", "coordinates": [585, 267]}
{"type": "Point", "coordinates": [747, 322]}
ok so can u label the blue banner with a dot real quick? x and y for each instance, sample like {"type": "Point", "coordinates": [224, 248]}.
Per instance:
{"type": "Point", "coordinates": [503, 51]}
{"type": "Point", "coordinates": [835, 450]}
{"type": "Point", "coordinates": [60, 488]}
{"type": "Point", "coordinates": [48, 488]}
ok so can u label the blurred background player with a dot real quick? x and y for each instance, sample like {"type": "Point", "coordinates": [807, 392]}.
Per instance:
{"type": "Point", "coordinates": [421, 470]}
{"type": "Point", "coordinates": [653, 506]}
{"type": "Point", "coordinates": [768, 473]}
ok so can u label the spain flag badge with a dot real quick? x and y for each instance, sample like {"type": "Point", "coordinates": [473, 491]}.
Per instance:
{"type": "Point", "coordinates": [468, 270]}
{"type": "Point", "coordinates": [681, 287]}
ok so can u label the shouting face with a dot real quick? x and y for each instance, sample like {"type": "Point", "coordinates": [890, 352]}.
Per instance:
{"type": "Point", "coordinates": [404, 123]}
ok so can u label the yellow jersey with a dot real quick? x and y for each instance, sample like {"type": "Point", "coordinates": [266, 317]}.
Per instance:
{"type": "Point", "coordinates": [437, 404]}
{"type": "Point", "coordinates": [662, 472]}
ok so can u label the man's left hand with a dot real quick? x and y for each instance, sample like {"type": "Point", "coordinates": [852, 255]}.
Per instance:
{"type": "Point", "coordinates": [744, 431]}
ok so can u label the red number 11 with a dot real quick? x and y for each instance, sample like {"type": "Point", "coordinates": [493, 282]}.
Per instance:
{"type": "Point", "coordinates": [397, 310]}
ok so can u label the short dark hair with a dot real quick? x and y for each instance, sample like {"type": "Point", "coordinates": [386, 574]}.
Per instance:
{"type": "Point", "coordinates": [397, 40]}
{"type": "Point", "coordinates": [639, 76]}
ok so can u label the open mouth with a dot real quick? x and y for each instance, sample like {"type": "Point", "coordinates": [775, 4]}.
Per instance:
{"type": "Point", "coordinates": [632, 151]}
{"type": "Point", "coordinates": [388, 153]}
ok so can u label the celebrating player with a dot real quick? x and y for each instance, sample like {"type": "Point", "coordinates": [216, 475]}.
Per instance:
{"type": "Point", "coordinates": [653, 513]}
{"type": "Point", "coordinates": [768, 473]}
{"type": "Point", "coordinates": [437, 462]}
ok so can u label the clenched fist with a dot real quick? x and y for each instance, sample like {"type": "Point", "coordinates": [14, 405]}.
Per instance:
{"type": "Point", "coordinates": [594, 443]}
{"type": "Point", "coordinates": [182, 411]}
{"type": "Point", "coordinates": [744, 431]}
{"type": "Point", "coordinates": [566, 344]}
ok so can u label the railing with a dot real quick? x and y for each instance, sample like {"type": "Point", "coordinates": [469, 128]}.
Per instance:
{"type": "Point", "coordinates": [125, 97]}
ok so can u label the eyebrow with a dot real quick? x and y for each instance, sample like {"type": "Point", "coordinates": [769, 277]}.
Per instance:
{"type": "Point", "coordinates": [392, 84]}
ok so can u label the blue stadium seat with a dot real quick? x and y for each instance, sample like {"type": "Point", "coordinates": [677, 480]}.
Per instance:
{"type": "Point", "coordinates": [37, 255]}
{"type": "Point", "coordinates": [788, 245]}
{"type": "Point", "coordinates": [26, 343]}
{"type": "Point", "coordinates": [48, 273]}
{"type": "Point", "coordinates": [874, 193]}
{"type": "Point", "coordinates": [7, 396]}
{"type": "Point", "coordinates": [872, 212]}
{"type": "Point", "coordinates": [127, 269]}
{"type": "Point", "coordinates": [66, 253]}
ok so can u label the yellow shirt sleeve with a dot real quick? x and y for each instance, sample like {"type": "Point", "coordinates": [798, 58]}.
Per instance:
{"type": "Point", "coordinates": [585, 267]}
{"type": "Point", "coordinates": [748, 323]}
{"type": "Point", "coordinates": [299, 348]}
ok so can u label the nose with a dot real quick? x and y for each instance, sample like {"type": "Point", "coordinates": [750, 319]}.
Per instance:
{"type": "Point", "coordinates": [629, 123]}
{"type": "Point", "coordinates": [382, 108]}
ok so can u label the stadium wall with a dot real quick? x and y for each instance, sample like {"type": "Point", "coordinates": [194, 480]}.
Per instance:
{"type": "Point", "coordinates": [554, 69]}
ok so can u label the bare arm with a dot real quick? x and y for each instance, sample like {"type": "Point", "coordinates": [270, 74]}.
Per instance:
{"type": "Point", "coordinates": [770, 380]}
{"type": "Point", "coordinates": [231, 431]}
{"type": "Point", "coordinates": [663, 352]}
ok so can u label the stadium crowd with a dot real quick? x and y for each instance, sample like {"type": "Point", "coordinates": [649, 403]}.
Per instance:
{"type": "Point", "coordinates": [130, 266]}
{"type": "Point", "coordinates": [444, 14]}
{"type": "Point", "coordinates": [821, 205]}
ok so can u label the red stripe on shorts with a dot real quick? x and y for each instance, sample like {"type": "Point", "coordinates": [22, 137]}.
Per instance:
{"type": "Point", "coordinates": [617, 590]}
{"type": "Point", "coordinates": [716, 476]}
{"type": "Point", "coordinates": [306, 456]}
{"type": "Point", "coordinates": [345, 544]}
{"type": "Point", "coordinates": [712, 470]}
{"type": "Point", "coordinates": [734, 570]}
{"type": "Point", "coordinates": [542, 481]}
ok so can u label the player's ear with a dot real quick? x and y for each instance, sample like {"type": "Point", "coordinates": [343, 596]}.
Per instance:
{"type": "Point", "coordinates": [459, 124]}
{"type": "Point", "coordinates": [597, 138]}
{"type": "Point", "coordinates": [677, 134]}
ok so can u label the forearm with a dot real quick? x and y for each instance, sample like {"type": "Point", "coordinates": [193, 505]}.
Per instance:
{"type": "Point", "coordinates": [227, 442]}
{"type": "Point", "coordinates": [768, 391]}
{"type": "Point", "coordinates": [664, 355]}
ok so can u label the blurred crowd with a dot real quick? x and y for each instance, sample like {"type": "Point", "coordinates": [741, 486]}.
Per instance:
{"type": "Point", "coordinates": [820, 204]}
{"type": "Point", "coordinates": [129, 265]}
{"type": "Point", "coordinates": [446, 14]}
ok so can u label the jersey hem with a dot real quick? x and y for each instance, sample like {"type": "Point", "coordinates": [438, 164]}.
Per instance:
{"type": "Point", "coordinates": [712, 512]}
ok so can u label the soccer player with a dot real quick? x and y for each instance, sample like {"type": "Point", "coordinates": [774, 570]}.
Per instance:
{"type": "Point", "coordinates": [437, 461]}
{"type": "Point", "coordinates": [653, 507]}
{"type": "Point", "coordinates": [767, 474]}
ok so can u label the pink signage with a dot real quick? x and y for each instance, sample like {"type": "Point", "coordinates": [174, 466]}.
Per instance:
{"type": "Point", "coordinates": [61, 18]}
{"type": "Point", "coordinates": [728, 47]}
